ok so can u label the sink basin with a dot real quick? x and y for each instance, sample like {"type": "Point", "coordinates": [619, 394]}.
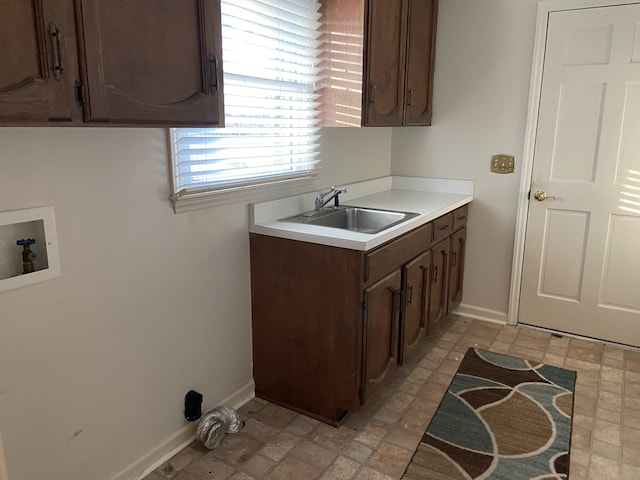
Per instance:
{"type": "Point", "coordinates": [355, 219]}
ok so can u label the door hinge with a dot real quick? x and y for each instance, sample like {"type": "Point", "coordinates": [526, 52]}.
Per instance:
{"type": "Point", "coordinates": [80, 96]}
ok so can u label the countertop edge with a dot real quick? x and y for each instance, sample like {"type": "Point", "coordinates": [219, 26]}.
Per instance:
{"type": "Point", "coordinates": [353, 240]}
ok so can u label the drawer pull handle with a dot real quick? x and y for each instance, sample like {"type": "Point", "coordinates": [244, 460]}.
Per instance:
{"type": "Point", "coordinates": [213, 64]}
{"type": "Point", "coordinates": [57, 53]}
{"type": "Point", "coordinates": [462, 217]}
{"type": "Point", "coordinates": [444, 227]}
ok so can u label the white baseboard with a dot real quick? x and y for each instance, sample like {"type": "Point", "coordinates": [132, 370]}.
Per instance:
{"type": "Point", "coordinates": [148, 462]}
{"type": "Point", "coordinates": [479, 313]}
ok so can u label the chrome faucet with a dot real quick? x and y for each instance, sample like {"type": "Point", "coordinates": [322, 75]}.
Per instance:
{"type": "Point", "coordinates": [325, 197]}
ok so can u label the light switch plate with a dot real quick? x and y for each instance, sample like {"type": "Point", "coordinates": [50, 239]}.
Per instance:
{"type": "Point", "coordinates": [503, 163]}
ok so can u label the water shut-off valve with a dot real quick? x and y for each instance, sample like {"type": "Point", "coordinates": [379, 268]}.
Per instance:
{"type": "Point", "coordinates": [28, 257]}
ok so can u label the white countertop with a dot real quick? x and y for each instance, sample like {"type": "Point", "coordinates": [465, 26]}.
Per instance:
{"type": "Point", "coordinates": [429, 197]}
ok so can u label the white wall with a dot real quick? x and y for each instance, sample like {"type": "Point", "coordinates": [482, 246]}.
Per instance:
{"type": "Point", "coordinates": [482, 74]}
{"type": "Point", "coordinates": [3, 466]}
{"type": "Point", "coordinates": [94, 364]}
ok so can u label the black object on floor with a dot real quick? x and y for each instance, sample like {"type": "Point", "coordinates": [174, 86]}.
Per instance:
{"type": "Point", "coordinates": [192, 405]}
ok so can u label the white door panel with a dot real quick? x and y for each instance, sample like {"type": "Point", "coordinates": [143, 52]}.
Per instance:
{"type": "Point", "coordinates": [628, 176]}
{"type": "Point", "coordinates": [564, 244]}
{"type": "Point", "coordinates": [579, 119]}
{"type": "Point", "coordinates": [581, 268]}
{"type": "Point", "coordinates": [620, 288]}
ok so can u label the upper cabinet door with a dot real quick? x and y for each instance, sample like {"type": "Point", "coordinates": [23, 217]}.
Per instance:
{"type": "Point", "coordinates": [38, 62]}
{"type": "Point", "coordinates": [384, 85]}
{"type": "Point", "coordinates": [152, 61]}
{"type": "Point", "coordinates": [420, 61]}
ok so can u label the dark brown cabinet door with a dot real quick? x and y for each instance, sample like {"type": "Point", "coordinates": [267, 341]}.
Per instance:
{"type": "Point", "coordinates": [399, 61]}
{"type": "Point", "coordinates": [458, 240]}
{"type": "Point", "coordinates": [384, 69]}
{"type": "Point", "coordinates": [38, 62]}
{"type": "Point", "coordinates": [152, 61]}
{"type": "Point", "coordinates": [413, 324]}
{"type": "Point", "coordinates": [420, 61]}
{"type": "Point", "coordinates": [438, 299]}
{"type": "Point", "coordinates": [381, 315]}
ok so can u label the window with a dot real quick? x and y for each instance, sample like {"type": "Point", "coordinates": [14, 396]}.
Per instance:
{"type": "Point", "coordinates": [270, 52]}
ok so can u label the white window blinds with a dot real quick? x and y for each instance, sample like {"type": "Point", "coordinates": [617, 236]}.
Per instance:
{"type": "Point", "coordinates": [270, 52]}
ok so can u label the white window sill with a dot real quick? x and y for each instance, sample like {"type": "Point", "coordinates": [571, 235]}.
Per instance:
{"type": "Point", "coordinates": [248, 194]}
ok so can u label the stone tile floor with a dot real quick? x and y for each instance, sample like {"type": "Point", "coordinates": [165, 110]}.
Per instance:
{"type": "Point", "coordinates": [378, 442]}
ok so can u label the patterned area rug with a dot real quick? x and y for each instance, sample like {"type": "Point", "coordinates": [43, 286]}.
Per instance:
{"type": "Point", "coordinates": [501, 418]}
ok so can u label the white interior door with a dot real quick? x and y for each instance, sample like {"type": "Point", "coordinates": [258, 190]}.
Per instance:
{"type": "Point", "coordinates": [581, 267]}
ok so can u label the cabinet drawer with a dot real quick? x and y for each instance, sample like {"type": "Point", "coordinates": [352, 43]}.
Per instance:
{"type": "Point", "coordinates": [460, 217]}
{"type": "Point", "coordinates": [442, 227]}
{"type": "Point", "coordinates": [388, 257]}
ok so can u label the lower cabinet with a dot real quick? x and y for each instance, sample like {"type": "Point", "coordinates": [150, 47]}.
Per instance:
{"type": "Point", "coordinates": [330, 324]}
{"type": "Point", "coordinates": [438, 298]}
{"type": "Point", "coordinates": [458, 242]}
{"type": "Point", "coordinates": [416, 288]}
{"type": "Point", "coordinates": [380, 340]}
{"type": "Point", "coordinates": [456, 271]}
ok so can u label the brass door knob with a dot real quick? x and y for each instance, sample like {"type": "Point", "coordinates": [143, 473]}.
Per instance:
{"type": "Point", "coordinates": [542, 196]}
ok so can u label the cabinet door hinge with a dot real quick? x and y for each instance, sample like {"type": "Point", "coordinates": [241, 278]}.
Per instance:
{"type": "Point", "coordinates": [80, 96]}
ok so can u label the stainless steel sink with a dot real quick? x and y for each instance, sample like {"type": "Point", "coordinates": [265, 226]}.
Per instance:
{"type": "Point", "coordinates": [356, 219]}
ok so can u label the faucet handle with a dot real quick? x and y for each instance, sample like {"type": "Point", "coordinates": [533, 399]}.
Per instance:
{"type": "Point", "coordinates": [336, 201]}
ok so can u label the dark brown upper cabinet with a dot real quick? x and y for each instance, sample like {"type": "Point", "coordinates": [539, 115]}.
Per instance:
{"type": "Point", "coordinates": [111, 62]}
{"type": "Point", "coordinates": [38, 62]}
{"type": "Point", "coordinates": [151, 61]}
{"type": "Point", "coordinates": [399, 58]}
